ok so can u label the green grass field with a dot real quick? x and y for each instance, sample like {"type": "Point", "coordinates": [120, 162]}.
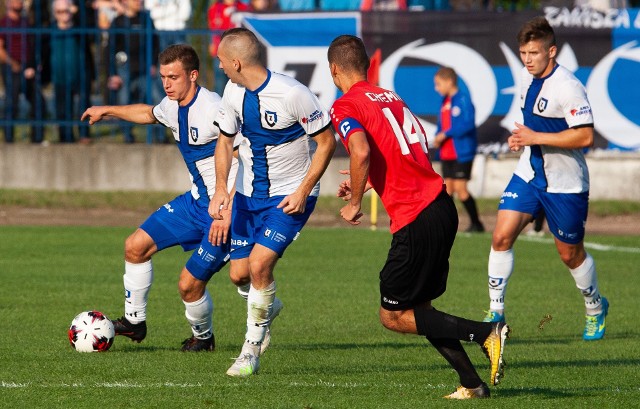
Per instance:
{"type": "Point", "coordinates": [328, 348]}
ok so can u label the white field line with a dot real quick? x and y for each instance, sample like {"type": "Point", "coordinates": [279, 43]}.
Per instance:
{"type": "Point", "coordinates": [588, 245]}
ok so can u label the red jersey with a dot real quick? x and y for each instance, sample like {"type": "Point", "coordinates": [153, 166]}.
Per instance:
{"type": "Point", "coordinates": [447, 150]}
{"type": "Point", "coordinates": [399, 166]}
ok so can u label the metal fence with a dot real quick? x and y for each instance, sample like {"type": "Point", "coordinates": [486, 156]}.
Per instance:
{"type": "Point", "coordinates": [73, 69]}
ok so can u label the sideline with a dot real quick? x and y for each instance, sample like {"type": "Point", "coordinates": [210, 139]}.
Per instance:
{"type": "Point", "coordinates": [587, 245]}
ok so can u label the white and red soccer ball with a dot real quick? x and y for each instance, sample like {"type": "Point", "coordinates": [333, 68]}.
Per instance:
{"type": "Point", "coordinates": [91, 331]}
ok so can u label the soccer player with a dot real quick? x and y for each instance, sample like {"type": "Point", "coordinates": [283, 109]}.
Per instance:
{"type": "Point", "coordinates": [388, 152]}
{"type": "Point", "coordinates": [551, 175]}
{"type": "Point", "coordinates": [287, 147]}
{"type": "Point", "coordinates": [188, 109]}
{"type": "Point", "coordinates": [457, 140]}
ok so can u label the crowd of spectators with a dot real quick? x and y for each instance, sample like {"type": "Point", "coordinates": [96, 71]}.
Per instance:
{"type": "Point", "coordinates": [115, 43]}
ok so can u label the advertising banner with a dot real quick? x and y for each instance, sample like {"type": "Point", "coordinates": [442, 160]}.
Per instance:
{"type": "Point", "coordinates": [601, 48]}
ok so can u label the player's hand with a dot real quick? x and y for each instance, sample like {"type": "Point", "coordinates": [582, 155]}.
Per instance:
{"type": "Point", "coordinates": [219, 230]}
{"type": "Point", "coordinates": [344, 190]}
{"type": "Point", "coordinates": [94, 114]}
{"type": "Point", "coordinates": [439, 139]}
{"type": "Point", "coordinates": [219, 202]}
{"type": "Point", "coordinates": [520, 137]}
{"type": "Point", "coordinates": [294, 203]}
{"type": "Point", "coordinates": [351, 214]}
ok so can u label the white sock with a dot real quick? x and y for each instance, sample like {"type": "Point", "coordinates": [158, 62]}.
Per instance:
{"type": "Point", "coordinates": [137, 283]}
{"type": "Point", "coordinates": [200, 316]}
{"type": "Point", "coordinates": [587, 282]}
{"type": "Point", "coordinates": [500, 269]}
{"type": "Point", "coordinates": [259, 304]}
{"type": "Point", "coordinates": [243, 290]}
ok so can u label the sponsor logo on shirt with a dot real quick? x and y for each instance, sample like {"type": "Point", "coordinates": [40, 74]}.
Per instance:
{"type": "Point", "coordinates": [270, 118]}
{"type": "Point", "coordinates": [389, 301]}
{"type": "Point", "coordinates": [317, 114]}
{"type": "Point", "coordinates": [581, 111]}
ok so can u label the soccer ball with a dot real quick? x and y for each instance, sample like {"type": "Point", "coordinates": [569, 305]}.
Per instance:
{"type": "Point", "coordinates": [91, 331]}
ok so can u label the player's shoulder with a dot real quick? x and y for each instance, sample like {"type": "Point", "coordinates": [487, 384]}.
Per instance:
{"type": "Point", "coordinates": [565, 81]}
{"type": "Point", "coordinates": [208, 95]}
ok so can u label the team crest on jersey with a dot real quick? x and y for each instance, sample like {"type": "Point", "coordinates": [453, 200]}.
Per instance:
{"type": "Point", "coordinates": [193, 132]}
{"type": "Point", "coordinates": [542, 104]}
{"type": "Point", "coordinates": [270, 118]}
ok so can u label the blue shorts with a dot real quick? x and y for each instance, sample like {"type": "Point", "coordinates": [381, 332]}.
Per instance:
{"type": "Point", "coordinates": [186, 222]}
{"type": "Point", "coordinates": [566, 212]}
{"type": "Point", "coordinates": [260, 221]}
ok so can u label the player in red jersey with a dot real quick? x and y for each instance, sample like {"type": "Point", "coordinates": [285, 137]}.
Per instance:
{"type": "Point", "coordinates": [388, 152]}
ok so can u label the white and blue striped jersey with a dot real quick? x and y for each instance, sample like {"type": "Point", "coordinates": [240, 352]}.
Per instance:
{"type": "Point", "coordinates": [276, 120]}
{"type": "Point", "coordinates": [196, 135]}
{"type": "Point", "coordinates": [553, 104]}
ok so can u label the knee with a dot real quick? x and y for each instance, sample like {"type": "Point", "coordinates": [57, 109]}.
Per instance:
{"type": "Point", "coordinates": [239, 277]}
{"type": "Point", "coordinates": [501, 241]}
{"type": "Point", "coordinates": [136, 250]}
{"type": "Point", "coordinates": [190, 290]}
{"type": "Point", "coordinates": [572, 257]}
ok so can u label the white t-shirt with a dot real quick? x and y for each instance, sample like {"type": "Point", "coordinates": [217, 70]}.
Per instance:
{"type": "Point", "coordinates": [553, 104]}
{"type": "Point", "coordinates": [276, 120]}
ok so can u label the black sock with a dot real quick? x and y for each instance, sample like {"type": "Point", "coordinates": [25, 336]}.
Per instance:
{"type": "Point", "coordinates": [454, 353]}
{"type": "Point", "coordinates": [435, 324]}
{"type": "Point", "coordinates": [472, 210]}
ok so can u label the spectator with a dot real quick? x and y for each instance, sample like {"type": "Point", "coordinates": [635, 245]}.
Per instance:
{"type": "Point", "coordinates": [456, 137]}
{"type": "Point", "coordinates": [298, 5]}
{"type": "Point", "coordinates": [376, 5]}
{"type": "Point", "coordinates": [106, 11]}
{"type": "Point", "coordinates": [219, 20]}
{"type": "Point", "coordinates": [264, 5]}
{"type": "Point", "coordinates": [133, 69]}
{"type": "Point", "coordinates": [19, 70]}
{"type": "Point", "coordinates": [71, 72]}
{"type": "Point", "coordinates": [170, 18]}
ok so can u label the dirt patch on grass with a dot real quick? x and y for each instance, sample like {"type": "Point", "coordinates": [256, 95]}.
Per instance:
{"type": "Point", "coordinates": [21, 216]}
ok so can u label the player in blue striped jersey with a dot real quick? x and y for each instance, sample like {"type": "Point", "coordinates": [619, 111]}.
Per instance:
{"type": "Point", "coordinates": [188, 110]}
{"type": "Point", "coordinates": [287, 145]}
{"type": "Point", "coordinates": [551, 175]}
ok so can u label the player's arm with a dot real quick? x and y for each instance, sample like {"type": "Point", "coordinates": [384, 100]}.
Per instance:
{"type": "Point", "coordinates": [359, 153]}
{"type": "Point", "coordinates": [464, 122]}
{"type": "Point", "coordinates": [223, 157]}
{"type": "Point", "coordinates": [136, 113]}
{"type": "Point", "coordinates": [572, 138]}
{"type": "Point", "coordinates": [296, 202]}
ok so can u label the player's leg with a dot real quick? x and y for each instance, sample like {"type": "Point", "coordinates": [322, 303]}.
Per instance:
{"type": "Point", "coordinates": [417, 269]}
{"type": "Point", "coordinates": [271, 232]}
{"type": "Point", "coordinates": [239, 275]}
{"type": "Point", "coordinates": [519, 201]}
{"type": "Point", "coordinates": [137, 279]}
{"type": "Point", "coordinates": [567, 215]}
{"type": "Point", "coordinates": [461, 176]}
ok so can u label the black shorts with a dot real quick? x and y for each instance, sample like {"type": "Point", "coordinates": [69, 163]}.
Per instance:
{"type": "Point", "coordinates": [417, 266]}
{"type": "Point", "coordinates": [452, 169]}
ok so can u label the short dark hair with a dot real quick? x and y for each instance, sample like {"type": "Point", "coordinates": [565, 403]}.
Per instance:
{"type": "Point", "coordinates": [252, 50]}
{"type": "Point", "coordinates": [537, 29]}
{"type": "Point", "coordinates": [348, 52]}
{"type": "Point", "coordinates": [183, 53]}
{"type": "Point", "coordinates": [447, 73]}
